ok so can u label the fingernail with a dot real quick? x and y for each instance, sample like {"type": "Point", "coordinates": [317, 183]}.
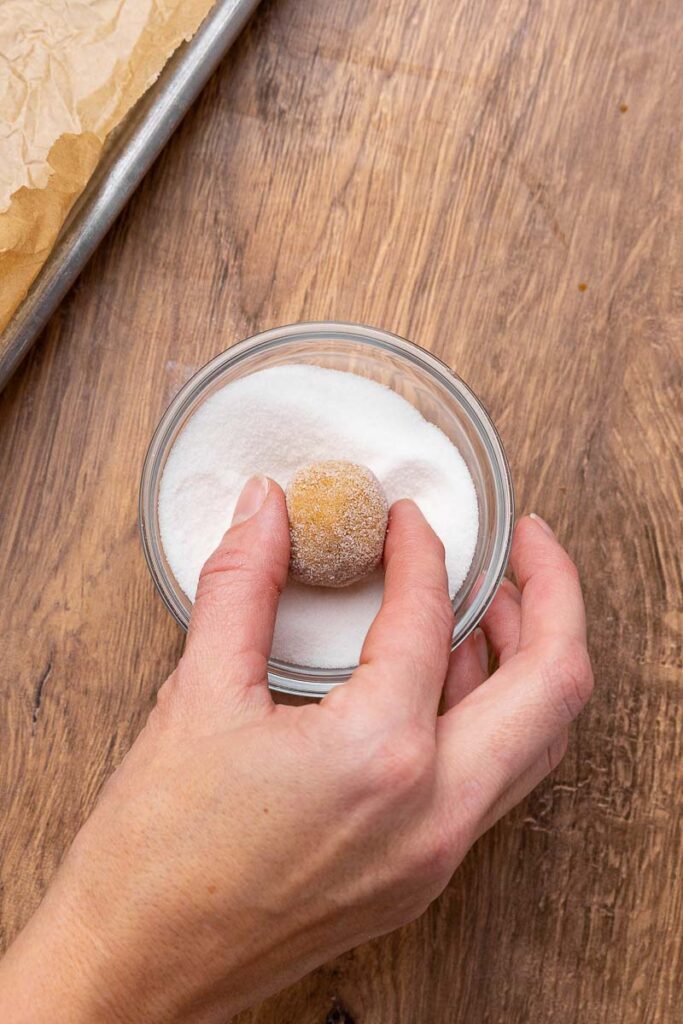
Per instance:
{"type": "Point", "coordinates": [482, 649]}
{"type": "Point", "coordinates": [542, 523]}
{"type": "Point", "coordinates": [254, 493]}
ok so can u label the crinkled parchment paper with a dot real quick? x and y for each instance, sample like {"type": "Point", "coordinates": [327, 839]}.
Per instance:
{"type": "Point", "coordinates": [70, 70]}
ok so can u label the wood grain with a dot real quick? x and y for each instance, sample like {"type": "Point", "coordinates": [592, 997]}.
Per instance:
{"type": "Point", "coordinates": [501, 182]}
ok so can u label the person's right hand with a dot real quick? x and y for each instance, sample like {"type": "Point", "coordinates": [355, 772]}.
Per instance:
{"type": "Point", "coordinates": [242, 842]}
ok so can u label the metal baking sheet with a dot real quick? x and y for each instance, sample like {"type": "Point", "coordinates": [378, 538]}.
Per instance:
{"type": "Point", "coordinates": [128, 156]}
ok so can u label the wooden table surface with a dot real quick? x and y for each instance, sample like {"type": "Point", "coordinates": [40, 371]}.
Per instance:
{"type": "Point", "coordinates": [499, 181]}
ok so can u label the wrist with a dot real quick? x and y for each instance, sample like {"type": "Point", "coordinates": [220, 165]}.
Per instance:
{"type": "Point", "coordinates": [74, 964]}
{"type": "Point", "coordinates": [45, 975]}
{"type": "Point", "coordinates": [68, 966]}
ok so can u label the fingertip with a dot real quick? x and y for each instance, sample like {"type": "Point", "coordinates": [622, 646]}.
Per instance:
{"type": "Point", "coordinates": [258, 534]}
{"type": "Point", "coordinates": [259, 494]}
{"type": "Point", "coordinates": [532, 528]}
{"type": "Point", "coordinates": [408, 526]}
{"type": "Point", "coordinates": [270, 528]}
{"type": "Point", "coordinates": [534, 543]}
{"type": "Point", "coordinates": [239, 586]}
{"type": "Point", "coordinates": [403, 503]}
{"type": "Point", "coordinates": [402, 512]}
{"type": "Point", "coordinates": [533, 532]}
{"type": "Point", "coordinates": [409, 640]}
{"type": "Point", "coordinates": [261, 510]}
{"type": "Point", "coordinates": [251, 499]}
{"type": "Point", "coordinates": [415, 562]}
{"type": "Point", "coordinates": [276, 504]}
{"type": "Point", "coordinates": [538, 521]}
{"type": "Point", "coordinates": [549, 580]}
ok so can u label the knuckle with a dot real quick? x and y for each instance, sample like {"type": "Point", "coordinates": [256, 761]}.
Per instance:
{"type": "Point", "coordinates": [237, 568]}
{"type": "Point", "coordinates": [166, 694]}
{"type": "Point", "coordinates": [568, 676]}
{"type": "Point", "coordinates": [400, 764]}
{"type": "Point", "coordinates": [427, 866]}
{"type": "Point", "coordinates": [226, 558]}
{"type": "Point", "coordinates": [163, 714]}
{"type": "Point", "coordinates": [556, 751]}
{"type": "Point", "coordinates": [436, 860]}
{"type": "Point", "coordinates": [438, 606]}
{"type": "Point", "coordinates": [468, 803]}
{"type": "Point", "coordinates": [439, 547]}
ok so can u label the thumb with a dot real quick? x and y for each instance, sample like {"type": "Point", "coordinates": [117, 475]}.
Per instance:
{"type": "Point", "coordinates": [231, 628]}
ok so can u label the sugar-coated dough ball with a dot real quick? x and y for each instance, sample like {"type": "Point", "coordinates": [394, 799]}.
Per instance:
{"type": "Point", "coordinates": [337, 523]}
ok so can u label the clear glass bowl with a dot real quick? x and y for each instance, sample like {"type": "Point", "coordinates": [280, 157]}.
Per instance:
{"type": "Point", "coordinates": [419, 377]}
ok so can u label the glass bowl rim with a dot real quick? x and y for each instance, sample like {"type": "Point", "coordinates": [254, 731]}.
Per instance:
{"type": "Point", "coordinates": [304, 680]}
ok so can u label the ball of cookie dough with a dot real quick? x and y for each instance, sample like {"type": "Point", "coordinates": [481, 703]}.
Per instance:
{"type": "Point", "coordinates": [338, 517]}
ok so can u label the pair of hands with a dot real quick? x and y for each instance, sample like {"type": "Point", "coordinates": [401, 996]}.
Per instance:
{"type": "Point", "coordinates": [242, 842]}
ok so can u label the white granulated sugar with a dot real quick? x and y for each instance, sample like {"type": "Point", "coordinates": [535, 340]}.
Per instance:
{"type": "Point", "coordinates": [276, 421]}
